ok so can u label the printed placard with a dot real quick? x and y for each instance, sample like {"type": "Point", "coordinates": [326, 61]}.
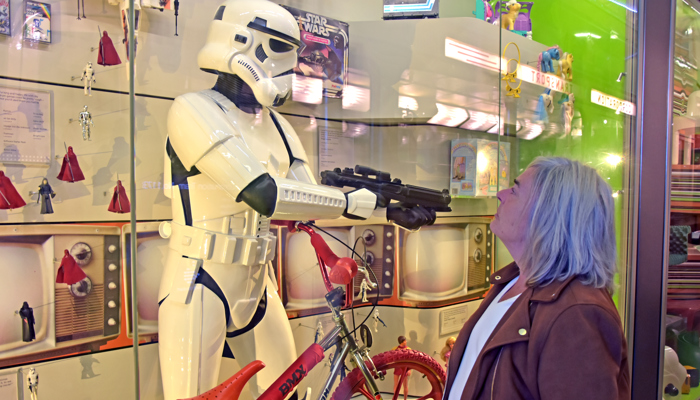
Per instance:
{"type": "Point", "coordinates": [25, 126]}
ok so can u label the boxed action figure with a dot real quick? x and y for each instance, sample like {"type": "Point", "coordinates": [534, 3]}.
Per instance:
{"type": "Point", "coordinates": [493, 167]}
{"type": "Point", "coordinates": [463, 167]}
{"type": "Point", "coordinates": [324, 50]}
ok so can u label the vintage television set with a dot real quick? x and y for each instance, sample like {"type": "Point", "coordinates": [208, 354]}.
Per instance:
{"type": "Point", "coordinates": [301, 285]}
{"type": "Point", "coordinates": [68, 319]}
{"type": "Point", "coordinates": [447, 262]}
{"type": "Point", "coordinates": [151, 252]}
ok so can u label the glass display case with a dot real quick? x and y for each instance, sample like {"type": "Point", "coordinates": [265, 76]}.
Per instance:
{"type": "Point", "coordinates": [151, 141]}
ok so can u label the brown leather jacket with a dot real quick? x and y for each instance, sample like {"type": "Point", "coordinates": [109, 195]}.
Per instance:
{"type": "Point", "coordinates": [563, 341]}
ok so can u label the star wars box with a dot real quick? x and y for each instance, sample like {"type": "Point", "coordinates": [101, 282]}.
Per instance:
{"type": "Point", "coordinates": [463, 167]}
{"type": "Point", "coordinates": [324, 51]}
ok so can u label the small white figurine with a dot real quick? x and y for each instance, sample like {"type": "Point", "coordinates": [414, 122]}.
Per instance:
{"type": "Point", "coordinates": [86, 123]}
{"type": "Point", "coordinates": [33, 383]}
{"type": "Point", "coordinates": [319, 332]}
{"type": "Point", "coordinates": [377, 320]}
{"type": "Point", "coordinates": [88, 78]}
{"type": "Point", "coordinates": [364, 288]}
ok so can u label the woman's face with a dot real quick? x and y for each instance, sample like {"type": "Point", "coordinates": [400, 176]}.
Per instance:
{"type": "Point", "coordinates": [510, 223]}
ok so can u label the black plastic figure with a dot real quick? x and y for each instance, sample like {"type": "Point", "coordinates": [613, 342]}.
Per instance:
{"type": "Point", "coordinates": [45, 196]}
{"type": "Point", "coordinates": [79, 9]}
{"type": "Point", "coordinates": [27, 314]}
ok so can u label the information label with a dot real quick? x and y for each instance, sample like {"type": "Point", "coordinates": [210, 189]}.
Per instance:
{"type": "Point", "coordinates": [25, 126]}
{"type": "Point", "coordinates": [8, 386]}
{"type": "Point", "coordinates": [614, 103]}
{"type": "Point", "coordinates": [335, 149]}
{"type": "Point", "coordinates": [452, 320]}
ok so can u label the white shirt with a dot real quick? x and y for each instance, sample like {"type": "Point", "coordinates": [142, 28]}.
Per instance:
{"type": "Point", "coordinates": [480, 334]}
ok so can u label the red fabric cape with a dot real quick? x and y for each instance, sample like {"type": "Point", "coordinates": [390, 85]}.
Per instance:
{"type": "Point", "coordinates": [69, 272]}
{"type": "Point", "coordinates": [120, 202]}
{"type": "Point", "coordinates": [9, 197]}
{"type": "Point", "coordinates": [107, 54]}
{"type": "Point", "coordinates": [65, 174]}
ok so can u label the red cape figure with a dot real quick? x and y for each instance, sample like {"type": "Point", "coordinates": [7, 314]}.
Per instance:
{"type": "Point", "coordinates": [9, 197]}
{"type": "Point", "coordinates": [69, 272]}
{"type": "Point", "coordinates": [107, 54]}
{"type": "Point", "coordinates": [120, 203]}
{"type": "Point", "coordinates": [70, 170]}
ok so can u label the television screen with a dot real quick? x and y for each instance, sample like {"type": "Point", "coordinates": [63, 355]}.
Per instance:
{"type": "Point", "coordinates": [446, 261]}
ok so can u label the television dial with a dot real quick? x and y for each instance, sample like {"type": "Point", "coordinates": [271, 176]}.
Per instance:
{"type": "Point", "coordinates": [478, 235]}
{"type": "Point", "coordinates": [370, 236]}
{"type": "Point", "coordinates": [82, 288]}
{"type": "Point", "coordinates": [477, 256]}
{"type": "Point", "coordinates": [82, 253]}
{"type": "Point", "coordinates": [370, 258]}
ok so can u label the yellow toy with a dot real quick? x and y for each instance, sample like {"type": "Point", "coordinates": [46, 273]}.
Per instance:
{"type": "Point", "coordinates": [512, 76]}
{"type": "Point", "coordinates": [508, 20]}
{"type": "Point", "coordinates": [566, 61]}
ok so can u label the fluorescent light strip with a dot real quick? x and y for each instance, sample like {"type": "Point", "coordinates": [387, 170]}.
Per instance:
{"type": "Point", "coordinates": [396, 8]}
{"type": "Point", "coordinates": [623, 5]}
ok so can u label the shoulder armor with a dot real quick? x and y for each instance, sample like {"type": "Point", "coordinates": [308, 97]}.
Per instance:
{"type": "Point", "coordinates": [290, 138]}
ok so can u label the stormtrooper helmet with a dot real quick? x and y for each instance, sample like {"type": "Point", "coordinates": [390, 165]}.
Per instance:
{"type": "Point", "coordinates": [32, 378]}
{"type": "Point", "coordinates": [256, 40]}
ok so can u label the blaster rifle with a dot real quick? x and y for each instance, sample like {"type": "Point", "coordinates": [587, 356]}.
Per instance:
{"type": "Point", "coordinates": [386, 189]}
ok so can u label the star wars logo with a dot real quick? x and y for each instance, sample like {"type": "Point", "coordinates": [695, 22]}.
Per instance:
{"type": "Point", "coordinates": [315, 24]}
{"type": "Point", "coordinates": [294, 380]}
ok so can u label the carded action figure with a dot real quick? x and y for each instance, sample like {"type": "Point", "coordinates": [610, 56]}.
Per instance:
{"type": "Point", "coordinates": [27, 315]}
{"type": "Point", "coordinates": [70, 169]}
{"type": "Point", "coordinates": [86, 123]}
{"type": "Point", "coordinates": [9, 197]}
{"type": "Point", "coordinates": [69, 272]}
{"type": "Point", "coordinates": [232, 165]}
{"type": "Point", "coordinates": [88, 78]}
{"type": "Point", "coordinates": [46, 193]}
{"type": "Point", "coordinates": [120, 202]}
{"type": "Point", "coordinates": [107, 53]}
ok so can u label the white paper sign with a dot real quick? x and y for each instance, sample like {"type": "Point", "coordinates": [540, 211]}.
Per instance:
{"type": "Point", "coordinates": [335, 149]}
{"type": "Point", "coordinates": [452, 320]}
{"type": "Point", "coordinates": [613, 103]}
{"type": "Point", "coordinates": [25, 126]}
{"type": "Point", "coordinates": [8, 386]}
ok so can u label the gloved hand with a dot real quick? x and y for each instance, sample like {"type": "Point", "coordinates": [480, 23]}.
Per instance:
{"type": "Point", "coordinates": [410, 218]}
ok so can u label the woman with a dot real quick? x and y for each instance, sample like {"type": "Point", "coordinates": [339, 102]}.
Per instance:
{"type": "Point", "coordinates": [548, 328]}
{"type": "Point", "coordinates": [399, 372]}
{"type": "Point", "coordinates": [447, 350]}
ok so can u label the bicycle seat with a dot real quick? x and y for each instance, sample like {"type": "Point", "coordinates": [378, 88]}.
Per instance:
{"type": "Point", "coordinates": [232, 387]}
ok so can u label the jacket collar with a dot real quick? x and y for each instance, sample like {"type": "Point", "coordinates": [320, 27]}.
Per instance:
{"type": "Point", "coordinates": [543, 294]}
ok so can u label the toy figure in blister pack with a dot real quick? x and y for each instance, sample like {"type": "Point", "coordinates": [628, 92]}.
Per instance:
{"type": "Point", "coordinates": [230, 158]}
{"type": "Point", "coordinates": [326, 62]}
{"type": "Point", "coordinates": [69, 272]}
{"type": "Point", "coordinates": [547, 57]}
{"type": "Point", "coordinates": [5, 17]}
{"type": "Point", "coordinates": [88, 78]}
{"type": "Point", "coordinates": [27, 315]}
{"type": "Point", "coordinates": [46, 193]}
{"type": "Point", "coordinates": [9, 197]}
{"type": "Point", "coordinates": [364, 288]}
{"type": "Point", "coordinates": [79, 8]}
{"type": "Point", "coordinates": [107, 54]}
{"type": "Point", "coordinates": [566, 61]}
{"type": "Point", "coordinates": [377, 320]}
{"type": "Point", "coordinates": [120, 202]}
{"type": "Point", "coordinates": [86, 123]}
{"type": "Point", "coordinates": [545, 106]}
{"type": "Point", "coordinates": [33, 384]}
{"type": "Point", "coordinates": [70, 169]}
{"type": "Point", "coordinates": [319, 332]}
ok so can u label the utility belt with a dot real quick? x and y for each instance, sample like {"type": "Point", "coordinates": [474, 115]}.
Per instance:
{"type": "Point", "coordinates": [205, 245]}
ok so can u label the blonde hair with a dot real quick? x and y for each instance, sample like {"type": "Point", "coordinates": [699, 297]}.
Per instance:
{"type": "Point", "coordinates": [450, 340]}
{"type": "Point", "coordinates": [571, 225]}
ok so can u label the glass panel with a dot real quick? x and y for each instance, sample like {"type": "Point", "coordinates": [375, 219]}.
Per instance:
{"type": "Point", "coordinates": [64, 120]}
{"type": "Point", "coordinates": [682, 291]}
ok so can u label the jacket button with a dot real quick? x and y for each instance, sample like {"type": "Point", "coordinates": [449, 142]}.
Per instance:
{"type": "Point", "coordinates": [497, 277]}
{"type": "Point", "coordinates": [522, 332]}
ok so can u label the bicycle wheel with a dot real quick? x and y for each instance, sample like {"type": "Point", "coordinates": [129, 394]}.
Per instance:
{"type": "Point", "coordinates": [406, 360]}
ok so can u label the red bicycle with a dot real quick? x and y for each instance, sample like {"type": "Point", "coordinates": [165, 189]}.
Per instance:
{"type": "Point", "coordinates": [363, 378]}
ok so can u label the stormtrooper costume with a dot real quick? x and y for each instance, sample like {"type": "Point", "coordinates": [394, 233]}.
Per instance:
{"type": "Point", "coordinates": [234, 164]}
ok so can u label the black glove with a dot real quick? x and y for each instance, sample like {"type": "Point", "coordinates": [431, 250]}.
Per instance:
{"type": "Point", "coordinates": [412, 217]}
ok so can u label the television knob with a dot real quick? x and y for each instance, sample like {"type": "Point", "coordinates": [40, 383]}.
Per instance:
{"type": "Point", "coordinates": [112, 248]}
{"type": "Point", "coordinates": [112, 285]}
{"type": "Point", "coordinates": [370, 258]}
{"type": "Point", "coordinates": [369, 236]}
{"type": "Point", "coordinates": [112, 267]}
{"type": "Point", "coordinates": [111, 304]}
{"type": "Point", "coordinates": [111, 322]}
{"type": "Point", "coordinates": [477, 256]}
{"type": "Point", "coordinates": [478, 235]}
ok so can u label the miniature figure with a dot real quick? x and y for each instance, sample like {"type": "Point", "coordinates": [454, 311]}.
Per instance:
{"type": "Point", "coordinates": [120, 202]}
{"type": "Point", "coordinates": [377, 320]}
{"type": "Point", "coordinates": [545, 106]}
{"type": "Point", "coordinates": [88, 78]}
{"type": "Point", "coordinates": [508, 20]}
{"type": "Point", "coordinates": [364, 288]}
{"type": "Point", "coordinates": [107, 54]}
{"type": "Point", "coordinates": [447, 350]}
{"type": "Point", "coordinates": [33, 383]}
{"type": "Point", "coordinates": [70, 169]}
{"type": "Point", "coordinates": [9, 197]}
{"type": "Point", "coordinates": [567, 112]}
{"type": "Point", "coordinates": [86, 123]}
{"type": "Point", "coordinates": [546, 57]}
{"type": "Point", "coordinates": [400, 373]}
{"type": "Point", "coordinates": [79, 9]}
{"type": "Point", "coordinates": [45, 196]}
{"type": "Point", "coordinates": [319, 332]}
{"type": "Point", "coordinates": [566, 61]}
{"type": "Point", "coordinates": [69, 272]}
{"type": "Point", "coordinates": [27, 315]}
